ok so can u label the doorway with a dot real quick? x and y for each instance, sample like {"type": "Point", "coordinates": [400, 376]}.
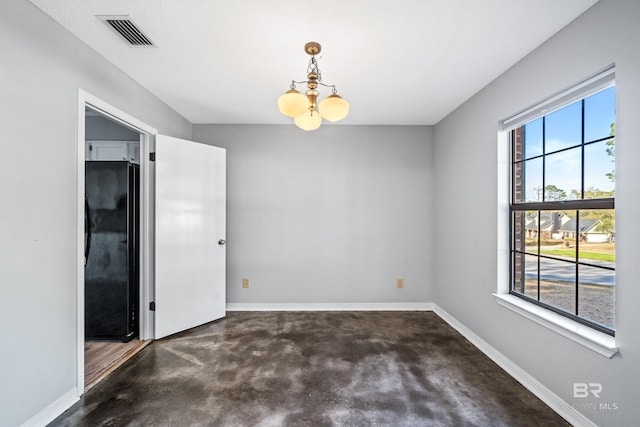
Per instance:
{"type": "Point", "coordinates": [112, 245]}
{"type": "Point", "coordinates": [182, 251]}
{"type": "Point", "coordinates": [110, 139]}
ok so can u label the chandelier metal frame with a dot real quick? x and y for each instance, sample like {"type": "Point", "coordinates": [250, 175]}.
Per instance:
{"type": "Point", "coordinates": [306, 111]}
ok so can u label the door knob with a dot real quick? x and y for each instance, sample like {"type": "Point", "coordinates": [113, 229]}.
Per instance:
{"type": "Point", "coordinates": [222, 242]}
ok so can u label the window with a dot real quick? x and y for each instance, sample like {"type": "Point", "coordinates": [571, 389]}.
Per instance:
{"type": "Point", "coordinates": [562, 213]}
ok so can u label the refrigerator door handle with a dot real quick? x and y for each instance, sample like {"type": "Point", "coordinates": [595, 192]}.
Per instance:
{"type": "Point", "coordinates": [87, 230]}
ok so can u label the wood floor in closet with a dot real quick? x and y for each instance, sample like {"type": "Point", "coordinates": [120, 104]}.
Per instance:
{"type": "Point", "coordinates": [103, 357]}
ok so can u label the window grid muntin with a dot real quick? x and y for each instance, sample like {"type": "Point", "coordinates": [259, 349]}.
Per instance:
{"type": "Point", "coordinates": [518, 159]}
{"type": "Point", "coordinates": [539, 256]}
{"type": "Point", "coordinates": [606, 138]}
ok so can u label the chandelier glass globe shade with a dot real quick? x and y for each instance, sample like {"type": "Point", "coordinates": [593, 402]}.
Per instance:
{"type": "Point", "coordinates": [334, 108]}
{"type": "Point", "coordinates": [311, 120]}
{"type": "Point", "coordinates": [293, 103]}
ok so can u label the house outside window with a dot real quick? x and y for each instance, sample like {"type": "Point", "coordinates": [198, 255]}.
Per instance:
{"type": "Point", "coordinates": [562, 206]}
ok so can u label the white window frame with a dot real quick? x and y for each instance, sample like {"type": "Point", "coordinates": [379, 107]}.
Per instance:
{"type": "Point", "coordinates": [599, 342]}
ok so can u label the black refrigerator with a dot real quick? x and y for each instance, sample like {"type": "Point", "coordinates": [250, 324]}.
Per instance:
{"type": "Point", "coordinates": [111, 273]}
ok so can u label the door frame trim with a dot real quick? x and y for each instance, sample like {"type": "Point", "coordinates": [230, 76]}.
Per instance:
{"type": "Point", "coordinates": [147, 139]}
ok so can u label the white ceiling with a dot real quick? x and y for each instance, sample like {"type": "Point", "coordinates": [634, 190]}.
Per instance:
{"type": "Point", "coordinates": [405, 62]}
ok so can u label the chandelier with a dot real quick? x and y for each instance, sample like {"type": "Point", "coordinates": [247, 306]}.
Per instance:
{"type": "Point", "coordinates": [306, 112]}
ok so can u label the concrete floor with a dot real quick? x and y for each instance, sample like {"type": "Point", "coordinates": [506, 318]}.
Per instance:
{"type": "Point", "coordinates": [312, 369]}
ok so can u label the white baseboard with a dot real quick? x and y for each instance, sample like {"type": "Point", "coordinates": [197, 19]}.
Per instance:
{"type": "Point", "coordinates": [552, 400]}
{"type": "Point", "coordinates": [56, 408]}
{"type": "Point", "coordinates": [397, 306]}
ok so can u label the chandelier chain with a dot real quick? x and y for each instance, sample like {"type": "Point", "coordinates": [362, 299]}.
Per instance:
{"type": "Point", "coordinates": [313, 67]}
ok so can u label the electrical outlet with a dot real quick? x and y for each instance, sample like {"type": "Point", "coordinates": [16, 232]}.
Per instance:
{"type": "Point", "coordinates": [245, 283]}
{"type": "Point", "coordinates": [399, 282]}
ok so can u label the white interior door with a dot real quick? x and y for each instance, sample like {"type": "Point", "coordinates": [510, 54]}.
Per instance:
{"type": "Point", "coordinates": [190, 218]}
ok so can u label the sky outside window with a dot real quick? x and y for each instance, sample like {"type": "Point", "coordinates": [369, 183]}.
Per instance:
{"type": "Point", "coordinates": [562, 130]}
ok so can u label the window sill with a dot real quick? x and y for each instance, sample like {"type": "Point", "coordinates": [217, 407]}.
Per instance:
{"type": "Point", "coordinates": [597, 341]}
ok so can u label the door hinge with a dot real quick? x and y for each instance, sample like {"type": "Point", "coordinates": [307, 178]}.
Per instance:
{"type": "Point", "coordinates": [152, 306]}
{"type": "Point", "coordinates": [152, 157]}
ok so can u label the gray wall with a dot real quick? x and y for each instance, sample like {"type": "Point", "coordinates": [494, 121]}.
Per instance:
{"type": "Point", "coordinates": [42, 68]}
{"type": "Point", "coordinates": [465, 160]}
{"type": "Point", "coordinates": [330, 216]}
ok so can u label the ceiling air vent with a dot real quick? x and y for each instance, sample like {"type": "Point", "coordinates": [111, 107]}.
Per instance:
{"type": "Point", "coordinates": [124, 26]}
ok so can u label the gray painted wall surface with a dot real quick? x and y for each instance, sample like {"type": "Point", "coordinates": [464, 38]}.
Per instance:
{"type": "Point", "coordinates": [334, 215]}
{"type": "Point", "coordinates": [465, 159]}
{"type": "Point", "coordinates": [42, 68]}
